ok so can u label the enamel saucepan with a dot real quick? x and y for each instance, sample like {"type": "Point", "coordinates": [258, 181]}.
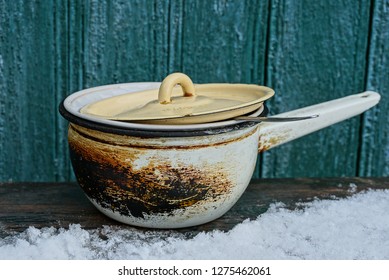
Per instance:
{"type": "Point", "coordinates": [161, 175]}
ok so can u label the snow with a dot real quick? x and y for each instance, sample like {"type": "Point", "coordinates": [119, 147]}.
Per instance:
{"type": "Point", "coordinates": [352, 228]}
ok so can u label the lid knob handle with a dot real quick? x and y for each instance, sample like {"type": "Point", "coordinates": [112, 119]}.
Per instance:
{"type": "Point", "coordinates": [166, 88]}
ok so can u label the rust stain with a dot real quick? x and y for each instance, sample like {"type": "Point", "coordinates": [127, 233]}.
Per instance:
{"type": "Point", "coordinates": [106, 174]}
{"type": "Point", "coordinates": [121, 140]}
{"type": "Point", "coordinates": [268, 143]}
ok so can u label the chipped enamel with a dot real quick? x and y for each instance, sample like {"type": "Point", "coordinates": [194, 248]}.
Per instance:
{"type": "Point", "coordinates": [174, 182]}
{"type": "Point", "coordinates": [168, 183]}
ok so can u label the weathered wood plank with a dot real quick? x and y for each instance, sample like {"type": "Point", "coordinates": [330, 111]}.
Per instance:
{"type": "Point", "coordinates": [125, 41]}
{"type": "Point", "coordinates": [224, 41]}
{"type": "Point", "coordinates": [374, 158]}
{"type": "Point", "coordinates": [316, 53]}
{"type": "Point", "coordinates": [63, 64]}
{"type": "Point", "coordinates": [61, 204]}
{"type": "Point", "coordinates": [310, 52]}
{"type": "Point", "coordinates": [31, 70]}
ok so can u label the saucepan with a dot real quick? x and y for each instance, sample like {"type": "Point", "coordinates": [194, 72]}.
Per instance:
{"type": "Point", "coordinates": [162, 155]}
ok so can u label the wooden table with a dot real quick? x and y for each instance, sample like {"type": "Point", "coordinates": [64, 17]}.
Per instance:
{"type": "Point", "coordinates": [61, 204]}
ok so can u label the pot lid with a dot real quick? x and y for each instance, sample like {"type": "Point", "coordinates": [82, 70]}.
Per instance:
{"type": "Point", "coordinates": [190, 104]}
{"type": "Point", "coordinates": [72, 105]}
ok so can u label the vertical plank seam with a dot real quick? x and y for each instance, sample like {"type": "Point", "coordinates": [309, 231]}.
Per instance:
{"type": "Point", "coordinates": [67, 176]}
{"type": "Point", "coordinates": [266, 70]}
{"type": "Point", "coordinates": [69, 78]}
{"type": "Point", "coordinates": [152, 52]}
{"type": "Point", "coordinates": [83, 27]}
{"type": "Point", "coordinates": [169, 34]}
{"type": "Point", "coordinates": [267, 44]}
{"type": "Point", "coordinates": [253, 73]}
{"type": "Point", "coordinates": [56, 97]}
{"type": "Point", "coordinates": [254, 70]}
{"type": "Point", "coordinates": [70, 73]}
{"type": "Point", "coordinates": [366, 80]}
{"type": "Point", "coordinates": [182, 37]}
{"type": "Point", "coordinates": [2, 101]}
{"type": "Point", "coordinates": [369, 42]}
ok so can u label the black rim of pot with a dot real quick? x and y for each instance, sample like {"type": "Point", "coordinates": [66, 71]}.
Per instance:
{"type": "Point", "coordinates": [154, 133]}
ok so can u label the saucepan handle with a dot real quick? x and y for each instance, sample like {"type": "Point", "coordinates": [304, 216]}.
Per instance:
{"type": "Point", "coordinates": [331, 112]}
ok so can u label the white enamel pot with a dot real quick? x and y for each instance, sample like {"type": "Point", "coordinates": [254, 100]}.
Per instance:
{"type": "Point", "coordinates": [174, 176]}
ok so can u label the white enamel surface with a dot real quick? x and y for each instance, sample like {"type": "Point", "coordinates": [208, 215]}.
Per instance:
{"type": "Point", "coordinates": [331, 112]}
{"type": "Point", "coordinates": [233, 154]}
{"type": "Point", "coordinates": [233, 157]}
{"type": "Point", "coordinates": [76, 101]}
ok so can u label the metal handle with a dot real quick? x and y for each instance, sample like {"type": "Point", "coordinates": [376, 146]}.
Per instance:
{"type": "Point", "coordinates": [275, 119]}
{"type": "Point", "coordinates": [330, 112]}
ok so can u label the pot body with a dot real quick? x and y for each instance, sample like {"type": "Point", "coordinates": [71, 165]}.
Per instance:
{"type": "Point", "coordinates": [163, 182]}
{"type": "Point", "coordinates": [172, 176]}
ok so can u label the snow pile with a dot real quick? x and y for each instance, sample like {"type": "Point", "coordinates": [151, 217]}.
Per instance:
{"type": "Point", "coordinates": [352, 228]}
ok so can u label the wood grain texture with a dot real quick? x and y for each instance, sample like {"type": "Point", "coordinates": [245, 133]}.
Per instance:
{"type": "Point", "coordinates": [224, 41]}
{"type": "Point", "coordinates": [374, 157]}
{"type": "Point", "coordinates": [308, 51]}
{"type": "Point", "coordinates": [62, 204]}
{"type": "Point", "coordinates": [125, 41]}
{"type": "Point", "coordinates": [31, 78]}
{"type": "Point", "coordinates": [316, 53]}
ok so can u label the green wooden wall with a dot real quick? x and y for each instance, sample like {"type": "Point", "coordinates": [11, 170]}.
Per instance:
{"type": "Point", "coordinates": [308, 51]}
